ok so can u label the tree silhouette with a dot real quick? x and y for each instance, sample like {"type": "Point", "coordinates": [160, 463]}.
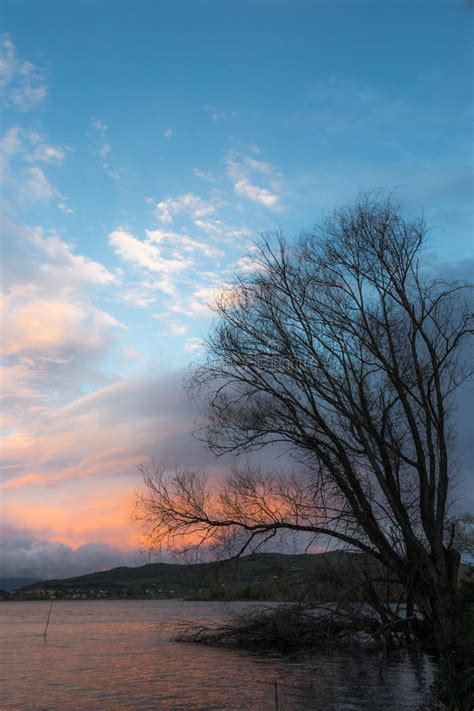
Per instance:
{"type": "Point", "coordinates": [342, 347]}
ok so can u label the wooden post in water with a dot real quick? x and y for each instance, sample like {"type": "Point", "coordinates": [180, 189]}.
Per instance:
{"type": "Point", "coordinates": [276, 696]}
{"type": "Point", "coordinates": [49, 617]}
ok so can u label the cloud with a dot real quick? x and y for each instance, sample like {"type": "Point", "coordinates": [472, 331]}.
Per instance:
{"type": "Point", "coordinates": [103, 152]}
{"type": "Point", "coordinates": [99, 125]}
{"type": "Point", "coordinates": [252, 192]}
{"type": "Point", "coordinates": [129, 353]}
{"type": "Point", "coordinates": [194, 345]}
{"type": "Point", "coordinates": [177, 329]}
{"type": "Point", "coordinates": [204, 175]}
{"type": "Point", "coordinates": [23, 178]}
{"type": "Point", "coordinates": [181, 216]}
{"type": "Point", "coordinates": [241, 170]}
{"type": "Point", "coordinates": [101, 146]}
{"type": "Point", "coordinates": [34, 257]}
{"type": "Point", "coordinates": [120, 425]}
{"type": "Point", "coordinates": [22, 85]}
{"type": "Point", "coordinates": [10, 145]}
{"type": "Point", "coordinates": [81, 461]}
{"type": "Point", "coordinates": [24, 555]}
{"type": "Point", "coordinates": [37, 186]}
{"type": "Point", "coordinates": [247, 265]}
{"type": "Point", "coordinates": [54, 336]}
{"type": "Point", "coordinates": [187, 244]}
{"type": "Point", "coordinates": [144, 254]}
{"type": "Point", "coordinates": [45, 153]}
{"type": "Point", "coordinates": [202, 300]}
{"type": "Point", "coordinates": [53, 328]}
{"type": "Point", "coordinates": [188, 203]}
{"type": "Point", "coordinates": [64, 266]}
{"type": "Point", "coordinates": [141, 298]}
{"type": "Point", "coordinates": [168, 133]}
{"type": "Point", "coordinates": [217, 114]}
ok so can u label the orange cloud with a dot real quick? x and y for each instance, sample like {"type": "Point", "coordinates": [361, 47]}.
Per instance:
{"type": "Point", "coordinates": [74, 521]}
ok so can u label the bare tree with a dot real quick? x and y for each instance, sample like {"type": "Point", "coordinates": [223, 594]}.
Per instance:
{"type": "Point", "coordinates": [344, 349]}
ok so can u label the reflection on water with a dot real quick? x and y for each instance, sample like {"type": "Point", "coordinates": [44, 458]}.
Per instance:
{"type": "Point", "coordinates": [116, 655]}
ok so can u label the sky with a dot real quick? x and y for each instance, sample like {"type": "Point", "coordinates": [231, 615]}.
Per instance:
{"type": "Point", "coordinates": [144, 146]}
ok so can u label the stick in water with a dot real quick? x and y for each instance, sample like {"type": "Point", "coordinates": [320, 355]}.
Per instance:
{"type": "Point", "coordinates": [49, 616]}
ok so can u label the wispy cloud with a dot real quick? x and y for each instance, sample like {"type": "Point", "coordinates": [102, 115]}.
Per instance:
{"type": "Point", "coordinates": [177, 329]}
{"type": "Point", "coordinates": [262, 196]}
{"type": "Point", "coordinates": [23, 155]}
{"type": "Point", "coordinates": [242, 171]}
{"type": "Point", "coordinates": [145, 254]}
{"type": "Point", "coordinates": [101, 146]}
{"type": "Point", "coordinates": [63, 266]}
{"type": "Point", "coordinates": [204, 175]}
{"type": "Point", "coordinates": [218, 114]}
{"type": "Point", "coordinates": [188, 203]}
{"type": "Point", "coordinates": [52, 327]}
{"type": "Point", "coordinates": [22, 85]}
{"type": "Point", "coordinates": [183, 242]}
{"type": "Point", "coordinates": [194, 345]}
{"type": "Point", "coordinates": [43, 152]}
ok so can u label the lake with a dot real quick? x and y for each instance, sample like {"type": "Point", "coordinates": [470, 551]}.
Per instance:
{"type": "Point", "coordinates": [117, 655]}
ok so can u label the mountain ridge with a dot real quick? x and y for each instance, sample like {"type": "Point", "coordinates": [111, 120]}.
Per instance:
{"type": "Point", "coordinates": [256, 576]}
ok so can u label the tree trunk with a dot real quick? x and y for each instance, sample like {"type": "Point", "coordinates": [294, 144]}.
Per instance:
{"type": "Point", "coordinates": [435, 597]}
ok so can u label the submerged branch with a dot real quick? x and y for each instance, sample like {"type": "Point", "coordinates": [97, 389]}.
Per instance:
{"type": "Point", "coordinates": [303, 628]}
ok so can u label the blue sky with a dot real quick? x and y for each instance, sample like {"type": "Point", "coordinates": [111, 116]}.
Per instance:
{"type": "Point", "coordinates": [144, 146]}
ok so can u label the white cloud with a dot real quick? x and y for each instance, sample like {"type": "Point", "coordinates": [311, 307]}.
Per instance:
{"type": "Point", "coordinates": [217, 114]}
{"type": "Point", "coordinates": [24, 180]}
{"type": "Point", "coordinates": [11, 142]}
{"type": "Point", "coordinates": [260, 195]}
{"type": "Point", "coordinates": [259, 166]}
{"type": "Point", "coordinates": [138, 297]}
{"type": "Point", "coordinates": [144, 254]}
{"type": "Point", "coordinates": [188, 203]}
{"type": "Point", "coordinates": [54, 335]}
{"type": "Point", "coordinates": [101, 146]}
{"type": "Point", "coordinates": [104, 151]}
{"type": "Point", "coordinates": [37, 186]}
{"type": "Point", "coordinates": [63, 266]}
{"type": "Point", "coordinates": [247, 265]}
{"type": "Point", "coordinates": [22, 85]}
{"type": "Point", "coordinates": [45, 153]}
{"type": "Point", "coordinates": [99, 125]}
{"type": "Point", "coordinates": [129, 353]}
{"type": "Point", "coordinates": [194, 345]}
{"type": "Point", "coordinates": [204, 175]}
{"type": "Point", "coordinates": [177, 329]}
{"type": "Point", "coordinates": [202, 301]}
{"type": "Point", "coordinates": [187, 244]}
{"type": "Point", "coordinates": [211, 227]}
{"type": "Point", "coordinates": [241, 169]}
{"type": "Point", "coordinates": [164, 284]}
{"type": "Point", "coordinates": [23, 177]}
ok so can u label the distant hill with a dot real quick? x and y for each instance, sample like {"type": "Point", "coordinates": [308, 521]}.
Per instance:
{"type": "Point", "coordinates": [267, 576]}
{"type": "Point", "coordinates": [16, 583]}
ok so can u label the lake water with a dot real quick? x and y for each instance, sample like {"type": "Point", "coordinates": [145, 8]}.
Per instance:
{"type": "Point", "coordinates": [117, 656]}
